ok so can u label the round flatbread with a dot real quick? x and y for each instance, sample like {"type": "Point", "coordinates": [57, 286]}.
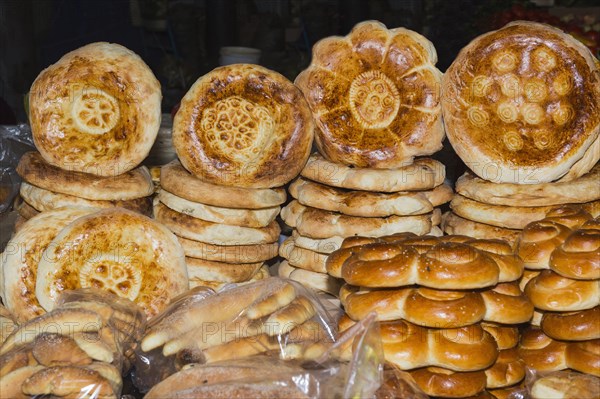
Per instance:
{"type": "Point", "coordinates": [580, 190]}
{"type": "Point", "coordinates": [216, 214]}
{"type": "Point", "coordinates": [301, 257]}
{"type": "Point", "coordinates": [261, 274]}
{"type": "Point", "coordinates": [316, 223]}
{"type": "Point", "coordinates": [322, 245]}
{"type": "Point", "coordinates": [229, 253]}
{"type": "Point", "coordinates": [206, 270]}
{"type": "Point", "coordinates": [118, 251]}
{"type": "Point", "coordinates": [368, 204]}
{"type": "Point", "coordinates": [97, 110]}
{"type": "Point", "coordinates": [455, 225]}
{"type": "Point", "coordinates": [214, 233]}
{"type": "Point", "coordinates": [375, 96]}
{"type": "Point", "coordinates": [175, 179]}
{"type": "Point", "coordinates": [423, 174]}
{"type": "Point", "coordinates": [45, 200]}
{"type": "Point", "coordinates": [136, 183]}
{"type": "Point", "coordinates": [521, 104]}
{"type": "Point", "coordinates": [511, 217]}
{"type": "Point", "coordinates": [243, 125]}
{"type": "Point", "coordinates": [316, 281]}
{"type": "Point", "coordinates": [21, 257]}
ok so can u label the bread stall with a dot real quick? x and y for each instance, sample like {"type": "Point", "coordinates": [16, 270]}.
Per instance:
{"type": "Point", "coordinates": [307, 242]}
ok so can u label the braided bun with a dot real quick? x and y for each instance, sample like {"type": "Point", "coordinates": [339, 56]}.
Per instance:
{"type": "Point", "coordinates": [537, 241]}
{"type": "Point", "coordinates": [552, 292]}
{"type": "Point", "coordinates": [573, 326]}
{"type": "Point", "coordinates": [504, 304]}
{"type": "Point", "coordinates": [579, 256]}
{"type": "Point", "coordinates": [439, 382]}
{"type": "Point", "coordinates": [508, 370]}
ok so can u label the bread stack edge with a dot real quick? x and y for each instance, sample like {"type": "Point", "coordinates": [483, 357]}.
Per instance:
{"type": "Point", "coordinates": [378, 115]}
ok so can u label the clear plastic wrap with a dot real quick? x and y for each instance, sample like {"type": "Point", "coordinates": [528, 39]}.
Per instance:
{"type": "Point", "coordinates": [14, 142]}
{"type": "Point", "coordinates": [77, 351]}
{"type": "Point", "coordinates": [564, 384]}
{"type": "Point", "coordinates": [272, 337]}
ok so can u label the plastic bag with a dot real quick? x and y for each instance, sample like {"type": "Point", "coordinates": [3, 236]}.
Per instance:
{"type": "Point", "coordinates": [269, 337]}
{"type": "Point", "coordinates": [565, 384]}
{"type": "Point", "coordinates": [14, 142]}
{"type": "Point", "coordinates": [77, 350]}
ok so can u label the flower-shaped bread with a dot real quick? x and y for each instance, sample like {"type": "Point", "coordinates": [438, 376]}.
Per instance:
{"type": "Point", "coordinates": [375, 96]}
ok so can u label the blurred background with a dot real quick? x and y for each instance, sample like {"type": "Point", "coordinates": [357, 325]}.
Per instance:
{"type": "Point", "coordinates": [183, 39]}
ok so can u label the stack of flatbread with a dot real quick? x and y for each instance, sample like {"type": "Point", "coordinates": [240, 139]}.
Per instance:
{"type": "Point", "coordinates": [521, 110]}
{"type": "Point", "coordinates": [333, 201]}
{"type": "Point", "coordinates": [91, 133]}
{"type": "Point", "coordinates": [241, 133]}
{"type": "Point", "coordinates": [375, 98]}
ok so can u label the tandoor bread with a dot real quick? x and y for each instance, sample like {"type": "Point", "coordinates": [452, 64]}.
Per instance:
{"type": "Point", "coordinates": [243, 125]}
{"type": "Point", "coordinates": [422, 174]}
{"type": "Point", "coordinates": [454, 224]}
{"type": "Point", "coordinates": [368, 204]}
{"type": "Point", "coordinates": [521, 104]}
{"type": "Point", "coordinates": [97, 110]}
{"type": "Point", "coordinates": [581, 190]}
{"type": "Point", "coordinates": [175, 179]}
{"type": "Point", "coordinates": [316, 223]}
{"type": "Point", "coordinates": [45, 200]}
{"type": "Point", "coordinates": [136, 183]}
{"type": "Point", "coordinates": [375, 96]}
{"type": "Point", "coordinates": [21, 257]}
{"type": "Point", "coordinates": [229, 253]}
{"type": "Point", "coordinates": [217, 214]}
{"type": "Point", "coordinates": [118, 251]}
{"type": "Point", "coordinates": [512, 217]}
{"type": "Point", "coordinates": [214, 233]}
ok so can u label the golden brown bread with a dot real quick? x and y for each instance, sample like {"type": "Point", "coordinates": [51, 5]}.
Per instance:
{"type": "Point", "coordinates": [503, 304]}
{"type": "Point", "coordinates": [456, 225]}
{"type": "Point", "coordinates": [118, 251]}
{"type": "Point", "coordinates": [229, 253]}
{"type": "Point", "coordinates": [443, 266]}
{"type": "Point", "coordinates": [552, 292]}
{"type": "Point", "coordinates": [7, 323]}
{"type": "Point", "coordinates": [15, 359]}
{"type": "Point", "coordinates": [211, 270]}
{"type": "Point", "coordinates": [584, 356]}
{"type": "Point", "coordinates": [409, 346]}
{"type": "Point", "coordinates": [21, 258]}
{"type": "Point", "coordinates": [510, 264]}
{"type": "Point", "coordinates": [511, 217]}
{"type": "Point", "coordinates": [521, 104]}
{"type": "Point", "coordinates": [135, 183]}
{"type": "Point", "coordinates": [58, 350]}
{"type": "Point", "coordinates": [356, 87]}
{"type": "Point", "coordinates": [218, 214]}
{"type": "Point", "coordinates": [24, 209]}
{"type": "Point", "coordinates": [570, 215]}
{"type": "Point", "coordinates": [572, 326]}
{"type": "Point", "coordinates": [214, 233]}
{"type": "Point", "coordinates": [243, 125]}
{"type": "Point", "coordinates": [566, 385]}
{"type": "Point", "coordinates": [508, 370]}
{"type": "Point", "coordinates": [316, 223]}
{"type": "Point", "coordinates": [316, 281]}
{"type": "Point", "coordinates": [45, 200]}
{"type": "Point", "coordinates": [11, 383]}
{"type": "Point", "coordinates": [581, 190]}
{"type": "Point", "coordinates": [543, 353]}
{"type": "Point", "coordinates": [443, 383]}
{"type": "Point", "coordinates": [366, 203]}
{"type": "Point", "coordinates": [324, 245]}
{"type": "Point", "coordinates": [302, 258]}
{"type": "Point", "coordinates": [68, 381]}
{"type": "Point", "coordinates": [423, 174]}
{"type": "Point", "coordinates": [506, 337]}
{"type": "Point", "coordinates": [538, 240]}
{"type": "Point", "coordinates": [261, 274]}
{"type": "Point", "coordinates": [579, 256]}
{"type": "Point", "coordinates": [175, 179]}
{"type": "Point", "coordinates": [97, 110]}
